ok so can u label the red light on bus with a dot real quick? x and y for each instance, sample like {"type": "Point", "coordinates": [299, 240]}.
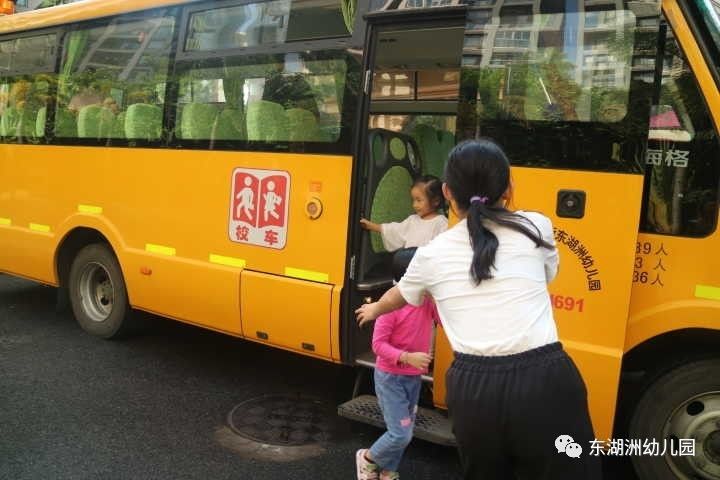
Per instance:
{"type": "Point", "coordinates": [7, 7]}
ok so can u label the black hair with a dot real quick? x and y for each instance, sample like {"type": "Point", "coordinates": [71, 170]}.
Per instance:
{"type": "Point", "coordinates": [433, 189]}
{"type": "Point", "coordinates": [480, 168]}
{"type": "Point", "coordinates": [401, 260]}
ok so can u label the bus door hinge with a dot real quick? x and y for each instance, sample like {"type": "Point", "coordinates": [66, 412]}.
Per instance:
{"type": "Point", "coordinates": [366, 81]}
{"type": "Point", "coordinates": [352, 267]}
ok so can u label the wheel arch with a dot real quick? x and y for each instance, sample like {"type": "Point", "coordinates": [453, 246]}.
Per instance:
{"type": "Point", "coordinates": [78, 232]}
{"type": "Point", "coordinates": [671, 347]}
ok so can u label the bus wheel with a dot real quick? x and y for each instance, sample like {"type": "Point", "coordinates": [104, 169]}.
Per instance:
{"type": "Point", "coordinates": [97, 292]}
{"type": "Point", "coordinates": [681, 410]}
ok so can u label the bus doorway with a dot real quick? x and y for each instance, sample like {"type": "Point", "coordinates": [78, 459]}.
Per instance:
{"type": "Point", "coordinates": [412, 84]}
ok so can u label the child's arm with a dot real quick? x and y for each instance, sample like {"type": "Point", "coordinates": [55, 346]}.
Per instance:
{"type": "Point", "coordinates": [368, 225]}
{"type": "Point", "coordinates": [394, 234]}
{"type": "Point", "coordinates": [381, 339]}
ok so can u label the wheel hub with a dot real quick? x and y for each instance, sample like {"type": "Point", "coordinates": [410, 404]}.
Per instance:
{"type": "Point", "coordinates": [698, 419]}
{"type": "Point", "coordinates": [712, 445]}
{"type": "Point", "coordinates": [96, 292]}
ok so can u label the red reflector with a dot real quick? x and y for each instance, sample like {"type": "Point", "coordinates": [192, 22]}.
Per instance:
{"type": "Point", "coordinates": [146, 270]}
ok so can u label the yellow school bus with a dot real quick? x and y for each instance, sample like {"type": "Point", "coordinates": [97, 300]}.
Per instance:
{"type": "Point", "coordinates": [210, 161]}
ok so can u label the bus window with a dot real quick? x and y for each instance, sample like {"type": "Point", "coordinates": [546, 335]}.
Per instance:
{"type": "Point", "coordinates": [683, 156]}
{"type": "Point", "coordinates": [264, 23]}
{"type": "Point", "coordinates": [26, 66]}
{"type": "Point", "coordinates": [295, 97]}
{"type": "Point", "coordinates": [558, 88]}
{"type": "Point", "coordinates": [112, 79]}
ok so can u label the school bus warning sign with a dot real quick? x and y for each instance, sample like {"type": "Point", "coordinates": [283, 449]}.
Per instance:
{"type": "Point", "coordinates": [259, 207]}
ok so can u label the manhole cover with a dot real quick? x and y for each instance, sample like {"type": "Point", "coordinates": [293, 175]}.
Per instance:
{"type": "Point", "coordinates": [283, 420]}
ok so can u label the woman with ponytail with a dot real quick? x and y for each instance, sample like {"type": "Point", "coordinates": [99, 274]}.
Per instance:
{"type": "Point", "coordinates": [511, 390]}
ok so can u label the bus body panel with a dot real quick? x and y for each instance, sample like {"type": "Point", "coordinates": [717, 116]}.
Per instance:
{"type": "Point", "coordinates": [287, 312]}
{"type": "Point", "coordinates": [194, 262]}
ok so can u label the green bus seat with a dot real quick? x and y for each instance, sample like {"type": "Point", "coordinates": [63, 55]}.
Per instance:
{"type": "Point", "coordinates": [197, 121]}
{"type": "Point", "coordinates": [266, 121]}
{"type": "Point", "coordinates": [303, 126]}
{"type": "Point", "coordinates": [118, 128]}
{"type": "Point", "coordinates": [65, 123]}
{"type": "Point", "coordinates": [434, 145]}
{"type": "Point", "coordinates": [230, 125]}
{"type": "Point", "coordinates": [19, 123]}
{"type": "Point", "coordinates": [95, 121]}
{"type": "Point", "coordinates": [393, 164]}
{"type": "Point", "coordinates": [143, 122]}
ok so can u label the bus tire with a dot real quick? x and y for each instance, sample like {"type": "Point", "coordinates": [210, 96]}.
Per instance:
{"type": "Point", "coordinates": [98, 295]}
{"type": "Point", "coordinates": [681, 403]}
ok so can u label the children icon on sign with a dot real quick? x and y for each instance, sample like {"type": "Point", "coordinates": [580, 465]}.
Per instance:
{"type": "Point", "coordinates": [272, 201]}
{"type": "Point", "coordinates": [259, 207]}
{"type": "Point", "coordinates": [246, 197]}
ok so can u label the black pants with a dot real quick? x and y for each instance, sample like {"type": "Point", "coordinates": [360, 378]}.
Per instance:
{"type": "Point", "coordinates": [508, 411]}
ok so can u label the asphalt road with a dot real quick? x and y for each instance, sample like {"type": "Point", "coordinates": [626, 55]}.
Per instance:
{"type": "Point", "coordinates": [156, 406]}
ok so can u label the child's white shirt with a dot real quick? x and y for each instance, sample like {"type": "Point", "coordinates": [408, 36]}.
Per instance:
{"type": "Point", "coordinates": [411, 232]}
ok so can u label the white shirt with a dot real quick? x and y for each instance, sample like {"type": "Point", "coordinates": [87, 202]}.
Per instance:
{"type": "Point", "coordinates": [411, 232]}
{"type": "Point", "coordinates": [507, 314]}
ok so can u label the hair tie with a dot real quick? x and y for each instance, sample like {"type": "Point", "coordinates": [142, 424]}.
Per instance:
{"type": "Point", "coordinates": [482, 200]}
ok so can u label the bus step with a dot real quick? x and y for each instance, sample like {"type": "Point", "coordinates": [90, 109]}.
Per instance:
{"type": "Point", "coordinates": [430, 425]}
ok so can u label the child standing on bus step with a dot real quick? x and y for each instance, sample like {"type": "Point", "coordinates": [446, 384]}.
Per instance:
{"type": "Point", "coordinates": [401, 341]}
{"type": "Point", "coordinates": [416, 230]}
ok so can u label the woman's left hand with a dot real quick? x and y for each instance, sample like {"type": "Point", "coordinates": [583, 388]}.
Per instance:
{"type": "Point", "coordinates": [366, 313]}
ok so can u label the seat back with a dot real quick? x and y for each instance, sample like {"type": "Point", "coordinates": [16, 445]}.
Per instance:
{"type": "Point", "coordinates": [65, 123]}
{"type": "Point", "coordinates": [303, 126]}
{"type": "Point", "coordinates": [434, 145]}
{"type": "Point", "coordinates": [230, 125]}
{"type": "Point", "coordinates": [9, 121]}
{"type": "Point", "coordinates": [143, 122]}
{"type": "Point", "coordinates": [197, 121]}
{"type": "Point", "coordinates": [26, 125]}
{"type": "Point", "coordinates": [266, 121]}
{"type": "Point", "coordinates": [118, 128]}
{"type": "Point", "coordinates": [95, 121]}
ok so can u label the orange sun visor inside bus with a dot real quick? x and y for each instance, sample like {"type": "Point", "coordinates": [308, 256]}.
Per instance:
{"type": "Point", "coordinates": [7, 7]}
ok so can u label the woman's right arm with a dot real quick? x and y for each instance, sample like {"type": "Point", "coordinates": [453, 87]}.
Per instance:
{"type": "Point", "coordinates": [391, 300]}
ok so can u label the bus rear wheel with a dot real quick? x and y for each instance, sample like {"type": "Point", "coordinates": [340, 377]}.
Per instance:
{"type": "Point", "coordinates": [681, 408]}
{"type": "Point", "coordinates": [97, 292]}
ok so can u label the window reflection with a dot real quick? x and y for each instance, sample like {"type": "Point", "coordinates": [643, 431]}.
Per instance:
{"type": "Point", "coordinates": [683, 156]}
{"type": "Point", "coordinates": [552, 67]}
{"type": "Point", "coordinates": [266, 23]}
